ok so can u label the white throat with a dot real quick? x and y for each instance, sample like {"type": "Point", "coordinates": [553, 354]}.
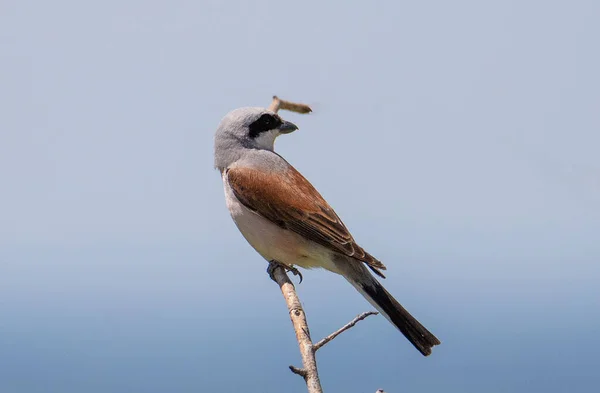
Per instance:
{"type": "Point", "coordinates": [266, 140]}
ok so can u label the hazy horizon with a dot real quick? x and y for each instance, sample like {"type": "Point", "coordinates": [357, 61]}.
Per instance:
{"type": "Point", "coordinates": [457, 141]}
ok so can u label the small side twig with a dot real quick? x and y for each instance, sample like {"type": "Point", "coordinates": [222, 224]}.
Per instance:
{"type": "Point", "coordinates": [347, 326]}
{"type": "Point", "coordinates": [298, 371]}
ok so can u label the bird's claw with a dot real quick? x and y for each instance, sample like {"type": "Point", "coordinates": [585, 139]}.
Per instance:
{"type": "Point", "coordinates": [295, 272]}
{"type": "Point", "coordinates": [274, 264]}
{"type": "Point", "coordinates": [271, 269]}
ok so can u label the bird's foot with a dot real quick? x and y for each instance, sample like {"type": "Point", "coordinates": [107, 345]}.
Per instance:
{"type": "Point", "coordinates": [295, 272]}
{"type": "Point", "coordinates": [275, 264]}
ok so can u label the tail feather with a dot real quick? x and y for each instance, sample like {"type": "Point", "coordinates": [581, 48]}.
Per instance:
{"type": "Point", "coordinates": [385, 303]}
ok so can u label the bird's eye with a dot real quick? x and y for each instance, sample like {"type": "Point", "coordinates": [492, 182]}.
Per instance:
{"type": "Point", "coordinates": [264, 123]}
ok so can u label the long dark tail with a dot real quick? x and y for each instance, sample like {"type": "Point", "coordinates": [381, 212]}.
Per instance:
{"type": "Point", "coordinates": [385, 303]}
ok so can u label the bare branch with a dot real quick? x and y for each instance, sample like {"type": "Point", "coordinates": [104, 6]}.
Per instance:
{"type": "Point", "coordinates": [347, 326]}
{"type": "Point", "coordinates": [279, 104]}
{"type": "Point", "coordinates": [310, 374]}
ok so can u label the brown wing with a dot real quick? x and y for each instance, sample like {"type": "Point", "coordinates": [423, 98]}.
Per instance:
{"type": "Point", "coordinates": [290, 201]}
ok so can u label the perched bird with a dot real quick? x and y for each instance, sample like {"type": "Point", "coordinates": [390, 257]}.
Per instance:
{"type": "Point", "coordinates": [286, 220]}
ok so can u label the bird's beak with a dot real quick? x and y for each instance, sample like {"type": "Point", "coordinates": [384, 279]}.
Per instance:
{"type": "Point", "coordinates": [286, 127]}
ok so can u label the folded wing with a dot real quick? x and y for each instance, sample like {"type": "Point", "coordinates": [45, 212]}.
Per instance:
{"type": "Point", "coordinates": [290, 201]}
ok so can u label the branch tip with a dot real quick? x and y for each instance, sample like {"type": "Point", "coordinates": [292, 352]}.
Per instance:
{"type": "Point", "coordinates": [279, 104]}
{"type": "Point", "coordinates": [298, 371]}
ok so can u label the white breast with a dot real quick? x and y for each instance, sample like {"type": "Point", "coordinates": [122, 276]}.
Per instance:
{"type": "Point", "coordinates": [273, 242]}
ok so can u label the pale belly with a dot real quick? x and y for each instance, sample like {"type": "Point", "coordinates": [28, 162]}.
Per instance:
{"type": "Point", "coordinates": [275, 243]}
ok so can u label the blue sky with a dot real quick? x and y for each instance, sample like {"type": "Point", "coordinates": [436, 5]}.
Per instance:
{"type": "Point", "coordinates": [457, 140]}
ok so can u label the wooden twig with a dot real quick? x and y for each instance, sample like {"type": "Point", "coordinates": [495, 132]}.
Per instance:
{"type": "Point", "coordinates": [343, 329]}
{"type": "Point", "coordinates": [309, 371]}
{"type": "Point", "coordinates": [279, 104]}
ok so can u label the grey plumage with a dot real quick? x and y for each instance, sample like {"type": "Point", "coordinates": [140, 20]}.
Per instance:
{"type": "Point", "coordinates": [233, 144]}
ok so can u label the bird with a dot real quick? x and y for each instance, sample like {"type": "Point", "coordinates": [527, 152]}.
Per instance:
{"type": "Point", "coordinates": [287, 221]}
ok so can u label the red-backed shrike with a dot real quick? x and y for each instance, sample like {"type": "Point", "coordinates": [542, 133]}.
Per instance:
{"type": "Point", "coordinates": [286, 220]}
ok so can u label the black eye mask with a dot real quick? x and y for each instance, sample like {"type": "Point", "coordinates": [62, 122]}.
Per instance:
{"type": "Point", "coordinates": [264, 123]}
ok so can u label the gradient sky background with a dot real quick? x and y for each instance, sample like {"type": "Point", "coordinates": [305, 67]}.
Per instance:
{"type": "Point", "coordinates": [458, 141]}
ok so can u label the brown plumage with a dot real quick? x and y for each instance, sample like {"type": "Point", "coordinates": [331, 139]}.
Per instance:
{"type": "Point", "coordinates": [291, 202]}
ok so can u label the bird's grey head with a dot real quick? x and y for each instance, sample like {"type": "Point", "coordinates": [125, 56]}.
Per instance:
{"type": "Point", "coordinates": [247, 128]}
